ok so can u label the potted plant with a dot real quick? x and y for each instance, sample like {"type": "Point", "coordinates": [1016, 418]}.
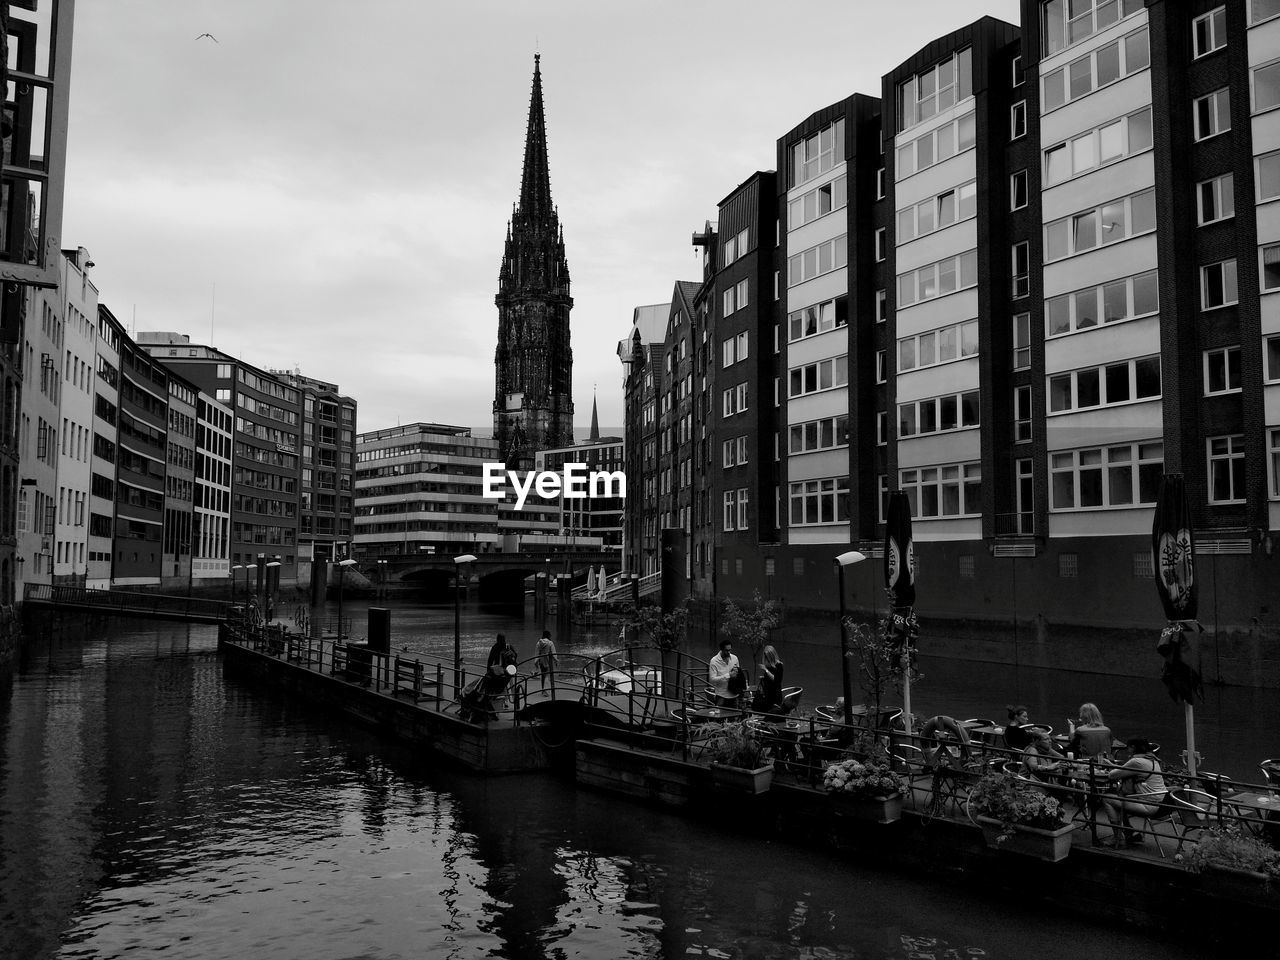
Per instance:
{"type": "Point", "coordinates": [738, 756]}
{"type": "Point", "coordinates": [1016, 816]}
{"type": "Point", "coordinates": [1238, 865]}
{"type": "Point", "coordinates": [865, 790]}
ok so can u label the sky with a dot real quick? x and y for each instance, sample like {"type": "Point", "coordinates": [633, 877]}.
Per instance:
{"type": "Point", "coordinates": [326, 186]}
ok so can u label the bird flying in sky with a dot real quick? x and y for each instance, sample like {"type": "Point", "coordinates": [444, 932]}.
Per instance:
{"type": "Point", "coordinates": [209, 35]}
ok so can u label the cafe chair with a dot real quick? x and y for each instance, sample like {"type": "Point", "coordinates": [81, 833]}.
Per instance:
{"type": "Point", "coordinates": [1193, 808]}
{"type": "Point", "coordinates": [791, 698]}
{"type": "Point", "coordinates": [909, 756]}
{"type": "Point", "coordinates": [888, 717]}
{"type": "Point", "coordinates": [1166, 812]}
{"type": "Point", "coordinates": [1271, 773]}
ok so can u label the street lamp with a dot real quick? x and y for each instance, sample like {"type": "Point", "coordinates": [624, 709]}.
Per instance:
{"type": "Point", "coordinates": [382, 577]}
{"type": "Point", "coordinates": [842, 561]}
{"type": "Point", "coordinates": [342, 565]}
{"type": "Point", "coordinates": [457, 619]}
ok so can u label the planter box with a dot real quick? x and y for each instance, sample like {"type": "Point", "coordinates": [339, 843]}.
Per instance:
{"type": "Point", "coordinates": [1244, 886]}
{"type": "Point", "coordinates": [875, 809]}
{"type": "Point", "coordinates": [741, 780]}
{"type": "Point", "coordinates": [1029, 841]}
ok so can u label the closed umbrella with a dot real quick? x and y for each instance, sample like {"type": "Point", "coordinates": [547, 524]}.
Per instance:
{"type": "Point", "coordinates": [900, 583]}
{"type": "Point", "coordinates": [1173, 547]}
{"type": "Point", "coordinates": [602, 584]}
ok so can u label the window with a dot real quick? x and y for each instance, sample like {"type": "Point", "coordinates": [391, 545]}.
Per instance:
{"type": "Point", "coordinates": [880, 244]}
{"type": "Point", "coordinates": [1021, 414]}
{"type": "Point", "coordinates": [960, 203]}
{"type": "Point", "coordinates": [825, 434]}
{"type": "Point", "coordinates": [1212, 114]}
{"type": "Point", "coordinates": [1218, 285]}
{"type": "Point", "coordinates": [1018, 190]}
{"type": "Point", "coordinates": [741, 289]}
{"type": "Point", "coordinates": [1095, 70]}
{"type": "Point", "coordinates": [1106, 386]}
{"type": "Point", "coordinates": [1273, 461]}
{"type": "Point", "coordinates": [1268, 176]}
{"type": "Point", "coordinates": [882, 428]}
{"type": "Point", "coordinates": [817, 202]}
{"type": "Point", "coordinates": [819, 318]}
{"type": "Point", "coordinates": [817, 154]}
{"type": "Point", "coordinates": [1021, 257]}
{"type": "Point", "coordinates": [742, 513]}
{"type": "Point", "coordinates": [1260, 10]}
{"type": "Point", "coordinates": [730, 509]}
{"type": "Point", "coordinates": [1022, 341]}
{"type": "Point", "coordinates": [819, 501]}
{"type": "Point", "coordinates": [822, 375]}
{"type": "Point", "coordinates": [814, 262]}
{"type": "Point", "coordinates": [1209, 33]}
{"type": "Point", "coordinates": [1067, 22]}
{"type": "Point", "coordinates": [1222, 371]}
{"type": "Point", "coordinates": [1111, 302]}
{"type": "Point", "coordinates": [1017, 71]}
{"type": "Point", "coordinates": [942, 345]}
{"type": "Point", "coordinates": [1266, 86]}
{"type": "Point", "coordinates": [932, 91]}
{"type": "Point", "coordinates": [882, 306]}
{"type": "Point", "coordinates": [734, 400]}
{"type": "Point", "coordinates": [1270, 267]}
{"type": "Point", "coordinates": [954, 411]}
{"type": "Point", "coordinates": [938, 279]}
{"type": "Point", "coordinates": [1106, 144]}
{"type": "Point", "coordinates": [882, 364]}
{"type": "Point", "coordinates": [1110, 223]}
{"type": "Point", "coordinates": [954, 490]}
{"type": "Point", "coordinates": [1226, 469]}
{"type": "Point", "coordinates": [734, 452]}
{"type": "Point", "coordinates": [1215, 200]}
{"type": "Point", "coordinates": [1125, 475]}
{"type": "Point", "coordinates": [936, 145]}
{"type": "Point", "coordinates": [880, 192]}
{"type": "Point", "coordinates": [1018, 120]}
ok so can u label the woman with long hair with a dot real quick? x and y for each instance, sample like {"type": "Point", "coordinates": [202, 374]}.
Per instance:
{"type": "Point", "coordinates": [768, 698]}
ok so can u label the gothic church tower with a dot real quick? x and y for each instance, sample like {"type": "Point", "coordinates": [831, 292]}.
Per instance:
{"type": "Point", "coordinates": [533, 388]}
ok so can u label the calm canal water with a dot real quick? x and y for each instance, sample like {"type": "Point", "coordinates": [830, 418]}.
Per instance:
{"type": "Point", "coordinates": [148, 806]}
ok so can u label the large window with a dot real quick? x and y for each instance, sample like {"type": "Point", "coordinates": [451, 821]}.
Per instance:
{"type": "Point", "coordinates": [1067, 22]}
{"type": "Point", "coordinates": [1266, 86]}
{"type": "Point", "coordinates": [1021, 341]}
{"type": "Point", "coordinates": [1222, 371]}
{"type": "Point", "coordinates": [955, 411]}
{"type": "Point", "coordinates": [819, 501]}
{"type": "Point", "coordinates": [734, 349]}
{"type": "Point", "coordinates": [819, 318]}
{"type": "Point", "coordinates": [1273, 461]}
{"type": "Point", "coordinates": [1105, 386]}
{"type": "Point", "coordinates": [1103, 66]}
{"type": "Point", "coordinates": [736, 247]}
{"type": "Point", "coordinates": [1110, 223]}
{"type": "Point", "coordinates": [936, 145]}
{"type": "Point", "coordinates": [938, 279]}
{"type": "Point", "coordinates": [1226, 469]}
{"type": "Point", "coordinates": [1260, 10]}
{"type": "Point", "coordinates": [943, 345]}
{"type": "Point", "coordinates": [1109, 302]}
{"type": "Point", "coordinates": [1209, 32]}
{"type": "Point", "coordinates": [817, 154]}
{"type": "Point", "coordinates": [1218, 285]}
{"type": "Point", "coordinates": [817, 260]}
{"type": "Point", "coordinates": [734, 452]}
{"type": "Point", "coordinates": [1107, 144]}
{"type": "Point", "coordinates": [954, 490]}
{"type": "Point", "coordinates": [825, 434]}
{"type": "Point", "coordinates": [1268, 176]}
{"type": "Point", "coordinates": [1212, 114]}
{"type": "Point", "coordinates": [735, 298]}
{"type": "Point", "coordinates": [939, 88]}
{"type": "Point", "coordinates": [1269, 267]}
{"type": "Point", "coordinates": [927, 216]}
{"type": "Point", "coordinates": [823, 375]}
{"type": "Point", "coordinates": [817, 202]}
{"type": "Point", "coordinates": [1271, 354]}
{"type": "Point", "coordinates": [1125, 475]}
{"type": "Point", "coordinates": [1020, 255]}
{"type": "Point", "coordinates": [1021, 414]}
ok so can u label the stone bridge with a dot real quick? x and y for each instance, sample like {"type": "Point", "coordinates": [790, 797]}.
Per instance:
{"type": "Point", "coordinates": [500, 576]}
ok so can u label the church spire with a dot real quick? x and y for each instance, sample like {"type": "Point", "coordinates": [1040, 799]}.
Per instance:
{"type": "Point", "coordinates": [535, 184]}
{"type": "Point", "coordinates": [595, 421]}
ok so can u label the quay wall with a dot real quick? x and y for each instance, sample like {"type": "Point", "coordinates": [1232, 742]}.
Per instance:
{"type": "Point", "coordinates": [1094, 883]}
{"type": "Point", "coordinates": [495, 748]}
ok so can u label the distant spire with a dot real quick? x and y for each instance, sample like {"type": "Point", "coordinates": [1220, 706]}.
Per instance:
{"type": "Point", "coordinates": [535, 185]}
{"type": "Point", "coordinates": [595, 420]}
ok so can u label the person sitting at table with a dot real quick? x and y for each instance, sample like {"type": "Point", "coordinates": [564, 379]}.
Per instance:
{"type": "Point", "coordinates": [1015, 737]}
{"type": "Point", "coordinates": [1040, 760]}
{"type": "Point", "coordinates": [723, 668]}
{"type": "Point", "coordinates": [1140, 789]}
{"type": "Point", "coordinates": [1090, 737]}
{"type": "Point", "coordinates": [768, 695]}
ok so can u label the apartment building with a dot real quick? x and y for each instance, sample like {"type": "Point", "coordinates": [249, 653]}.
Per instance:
{"type": "Point", "coordinates": [104, 452]}
{"type": "Point", "coordinates": [212, 508]}
{"type": "Point", "coordinates": [641, 353]}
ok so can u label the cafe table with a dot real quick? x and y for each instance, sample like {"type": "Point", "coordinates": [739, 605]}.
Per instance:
{"type": "Point", "coordinates": [1255, 810]}
{"type": "Point", "coordinates": [713, 714]}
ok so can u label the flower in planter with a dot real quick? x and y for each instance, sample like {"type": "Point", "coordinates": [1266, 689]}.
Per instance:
{"type": "Point", "coordinates": [1014, 802]}
{"type": "Point", "coordinates": [1228, 846]}
{"type": "Point", "coordinates": [735, 743]}
{"type": "Point", "coordinates": [857, 778]}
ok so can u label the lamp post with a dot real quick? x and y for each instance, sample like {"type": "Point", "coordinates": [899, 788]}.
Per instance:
{"type": "Point", "coordinates": [234, 568]}
{"type": "Point", "coordinates": [457, 618]}
{"type": "Point", "coordinates": [342, 569]}
{"type": "Point", "coordinates": [842, 561]}
{"type": "Point", "coordinates": [382, 577]}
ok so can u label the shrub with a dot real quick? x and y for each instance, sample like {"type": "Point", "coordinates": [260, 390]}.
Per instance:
{"type": "Point", "coordinates": [1228, 846]}
{"type": "Point", "coordinates": [735, 743]}
{"type": "Point", "coordinates": [855, 778]}
{"type": "Point", "coordinates": [1004, 797]}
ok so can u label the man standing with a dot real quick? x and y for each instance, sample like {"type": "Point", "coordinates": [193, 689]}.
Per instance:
{"type": "Point", "coordinates": [723, 667]}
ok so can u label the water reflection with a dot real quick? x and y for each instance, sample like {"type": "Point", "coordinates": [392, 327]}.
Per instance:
{"type": "Point", "coordinates": [149, 806]}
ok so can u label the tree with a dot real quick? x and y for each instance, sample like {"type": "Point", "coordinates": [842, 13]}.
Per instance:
{"type": "Point", "coordinates": [879, 659]}
{"type": "Point", "coordinates": [665, 630]}
{"type": "Point", "coordinates": [753, 626]}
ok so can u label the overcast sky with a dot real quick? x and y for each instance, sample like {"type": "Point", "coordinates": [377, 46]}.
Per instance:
{"type": "Point", "coordinates": [327, 186]}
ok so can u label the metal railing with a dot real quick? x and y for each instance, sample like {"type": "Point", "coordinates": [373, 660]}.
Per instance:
{"type": "Point", "coordinates": [123, 602]}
